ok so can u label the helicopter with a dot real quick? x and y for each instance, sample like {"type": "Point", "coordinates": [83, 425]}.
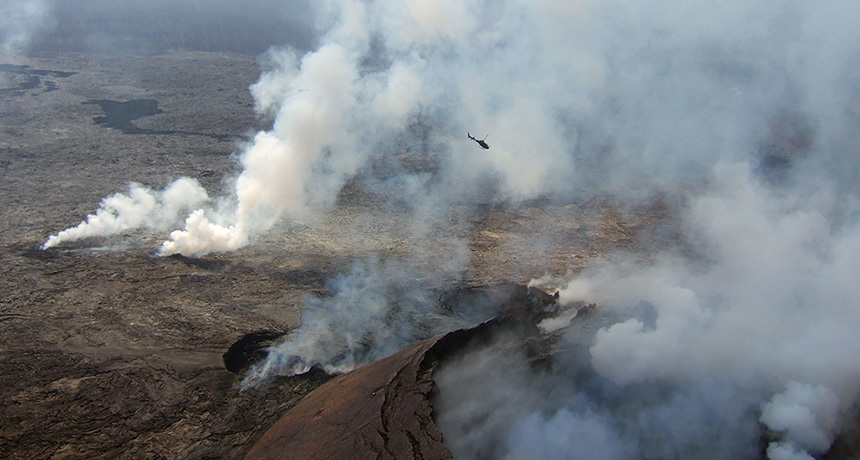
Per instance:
{"type": "Point", "coordinates": [480, 142]}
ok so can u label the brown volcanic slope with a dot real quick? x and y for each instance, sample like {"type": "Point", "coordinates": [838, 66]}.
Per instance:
{"type": "Point", "coordinates": [110, 352]}
{"type": "Point", "coordinates": [383, 410]}
{"type": "Point", "coordinates": [378, 411]}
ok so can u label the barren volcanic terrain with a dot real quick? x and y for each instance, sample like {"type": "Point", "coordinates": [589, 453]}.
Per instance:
{"type": "Point", "coordinates": [109, 351]}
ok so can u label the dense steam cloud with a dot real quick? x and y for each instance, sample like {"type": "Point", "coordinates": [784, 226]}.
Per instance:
{"type": "Point", "coordinates": [749, 112]}
{"type": "Point", "coordinates": [768, 309]}
{"type": "Point", "coordinates": [600, 95]}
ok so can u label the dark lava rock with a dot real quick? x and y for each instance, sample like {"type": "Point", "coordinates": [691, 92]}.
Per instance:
{"type": "Point", "coordinates": [23, 79]}
{"type": "Point", "coordinates": [250, 349]}
{"type": "Point", "coordinates": [119, 115]}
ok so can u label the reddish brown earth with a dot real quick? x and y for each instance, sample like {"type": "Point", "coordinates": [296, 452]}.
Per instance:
{"type": "Point", "coordinates": [384, 410]}
{"type": "Point", "coordinates": [378, 411]}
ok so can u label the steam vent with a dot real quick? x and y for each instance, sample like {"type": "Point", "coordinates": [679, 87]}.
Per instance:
{"type": "Point", "coordinates": [385, 409]}
{"type": "Point", "coordinates": [429, 229]}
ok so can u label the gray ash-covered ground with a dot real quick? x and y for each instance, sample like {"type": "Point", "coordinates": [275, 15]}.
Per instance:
{"type": "Point", "coordinates": [109, 351]}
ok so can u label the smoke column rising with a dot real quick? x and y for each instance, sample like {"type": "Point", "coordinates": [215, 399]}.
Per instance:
{"type": "Point", "coordinates": [771, 310]}
{"type": "Point", "coordinates": [747, 110]}
{"type": "Point", "coordinates": [376, 309]}
{"type": "Point", "coordinates": [279, 168]}
{"type": "Point", "coordinates": [596, 95]}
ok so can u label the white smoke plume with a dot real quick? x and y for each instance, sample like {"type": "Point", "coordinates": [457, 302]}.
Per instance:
{"type": "Point", "coordinates": [750, 110]}
{"type": "Point", "coordinates": [376, 308]}
{"type": "Point", "coordinates": [358, 324]}
{"type": "Point", "coordinates": [568, 93]}
{"type": "Point", "coordinates": [303, 161]}
{"type": "Point", "coordinates": [141, 207]}
{"type": "Point", "coordinates": [20, 20]}
{"type": "Point", "coordinates": [739, 105]}
{"type": "Point", "coordinates": [770, 308]}
{"type": "Point", "coordinates": [807, 415]}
